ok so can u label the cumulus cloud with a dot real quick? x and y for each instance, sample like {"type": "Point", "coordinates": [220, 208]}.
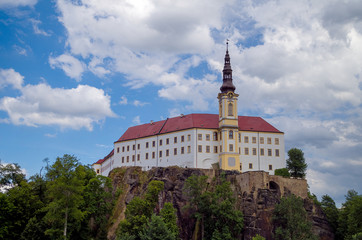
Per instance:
{"type": "Point", "coordinates": [17, 3]}
{"type": "Point", "coordinates": [75, 108]}
{"type": "Point", "coordinates": [71, 66]}
{"type": "Point", "coordinates": [8, 77]}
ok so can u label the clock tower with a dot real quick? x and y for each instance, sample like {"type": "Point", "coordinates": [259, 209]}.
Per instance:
{"type": "Point", "coordinates": [229, 157]}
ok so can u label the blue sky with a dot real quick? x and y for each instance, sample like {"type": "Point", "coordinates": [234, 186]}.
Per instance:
{"type": "Point", "coordinates": [74, 75]}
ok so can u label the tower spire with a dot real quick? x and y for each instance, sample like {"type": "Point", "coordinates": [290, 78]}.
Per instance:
{"type": "Point", "coordinates": [227, 78]}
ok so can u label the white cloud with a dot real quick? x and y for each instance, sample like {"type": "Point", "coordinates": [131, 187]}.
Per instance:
{"type": "Point", "coordinates": [71, 66]}
{"type": "Point", "coordinates": [36, 28]}
{"type": "Point", "coordinates": [136, 120]}
{"type": "Point", "coordinates": [123, 101]}
{"type": "Point", "coordinates": [40, 104]}
{"type": "Point", "coordinates": [17, 3]}
{"type": "Point", "coordinates": [10, 77]}
{"type": "Point", "coordinates": [139, 103]}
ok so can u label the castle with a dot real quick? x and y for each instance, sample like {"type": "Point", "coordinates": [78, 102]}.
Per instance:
{"type": "Point", "coordinates": [235, 142]}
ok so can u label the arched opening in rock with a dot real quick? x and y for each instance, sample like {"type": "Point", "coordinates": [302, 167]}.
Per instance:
{"type": "Point", "coordinates": [274, 187]}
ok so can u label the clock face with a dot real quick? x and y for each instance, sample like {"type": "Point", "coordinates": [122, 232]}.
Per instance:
{"type": "Point", "coordinates": [230, 94]}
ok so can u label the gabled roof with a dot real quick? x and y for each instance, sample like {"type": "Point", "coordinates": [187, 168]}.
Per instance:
{"type": "Point", "coordinates": [183, 122]}
{"type": "Point", "coordinates": [100, 161]}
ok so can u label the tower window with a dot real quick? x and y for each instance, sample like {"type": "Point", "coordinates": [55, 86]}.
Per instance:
{"type": "Point", "coordinates": [231, 148]}
{"type": "Point", "coordinates": [231, 134]}
{"type": "Point", "coordinates": [230, 109]}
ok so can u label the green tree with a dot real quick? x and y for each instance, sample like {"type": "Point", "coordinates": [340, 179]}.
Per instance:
{"type": "Point", "coordinates": [214, 208]}
{"type": "Point", "coordinates": [331, 211]}
{"type": "Point", "coordinates": [168, 215]}
{"type": "Point", "coordinates": [291, 220]}
{"type": "Point", "coordinates": [10, 175]}
{"type": "Point", "coordinates": [156, 229]}
{"type": "Point", "coordinates": [64, 190]}
{"type": "Point", "coordinates": [350, 217]}
{"type": "Point", "coordinates": [258, 237]}
{"type": "Point", "coordinates": [296, 163]}
{"type": "Point", "coordinates": [282, 172]}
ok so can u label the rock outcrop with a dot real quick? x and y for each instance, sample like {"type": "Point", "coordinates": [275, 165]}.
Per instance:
{"type": "Point", "coordinates": [257, 193]}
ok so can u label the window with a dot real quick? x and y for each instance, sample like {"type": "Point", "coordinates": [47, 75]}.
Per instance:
{"type": "Point", "coordinates": [220, 148]}
{"type": "Point", "coordinates": [175, 140]}
{"type": "Point", "coordinates": [160, 142]}
{"type": "Point", "coordinates": [269, 152]}
{"type": "Point", "coordinates": [241, 166]}
{"type": "Point", "coordinates": [182, 150]}
{"type": "Point", "coordinates": [276, 141]}
{"type": "Point", "coordinates": [250, 166]}
{"type": "Point", "coordinates": [254, 139]}
{"type": "Point", "coordinates": [123, 149]}
{"type": "Point", "coordinates": [133, 158]}
{"type": "Point", "coordinates": [134, 147]}
{"type": "Point", "coordinates": [182, 138]}
{"type": "Point", "coordinates": [138, 157]}
{"type": "Point", "coordinates": [167, 152]}
{"type": "Point", "coordinates": [97, 171]}
{"type": "Point", "coordinates": [199, 148]}
{"type": "Point", "coordinates": [146, 156]}
{"type": "Point", "coordinates": [214, 136]}
{"type": "Point", "coordinates": [188, 149]}
{"type": "Point", "coordinates": [127, 158]}
{"type": "Point", "coordinates": [270, 167]}
{"type": "Point", "coordinates": [189, 137]}
{"type": "Point", "coordinates": [122, 159]}
{"type": "Point", "coordinates": [153, 143]}
{"type": "Point", "coordinates": [138, 146]}
{"type": "Point", "coordinates": [262, 151]}
{"type": "Point", "coordinates": [231, 148]}
{"type": "Point", "coordinates": [277, 152]}
{"type": "Point", "coordinates": [118, 150]}
{"type": "Point", "coordinates": [153, 154]}
{"type": "Point", "coordinates": [207, 149]}
{"type": "Point", "coordinates": [146, 144]}
{"type": "Point", "coordinates": [269, 140]}
{"type": "Point", "coordinates": [127, 148]}
{"type": "Point", "coordinates": [167, 141]}
{"type": "Point", "coordinates": [239, 137]}
{"type": "Point", "coordinates": [261, 140]}
{"type": "Point", "coordinates": [215, 149]}
{"type": "Point", "coordinates": [175, 151]}
{"type": "Point", "coordinates": [230, 109]}
{"type": "Point", "coordinates": [207, 137]}
{"type": "Point", "coordinates": [254, 151]}
{"type": "Point", "coordinates": [246, 139]}
{"type": "Point", "coordinates": [199, 137]}
{"type": "Point", "coordinates": [231, 134]}
{"type": "Point", "coordinates": [246, 151]}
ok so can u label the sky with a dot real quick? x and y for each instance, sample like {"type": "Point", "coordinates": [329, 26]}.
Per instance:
{"type": "Point", "coordinates": [75, 74]}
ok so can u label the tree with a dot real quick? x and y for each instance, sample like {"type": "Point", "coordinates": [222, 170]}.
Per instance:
{"type": "Point", "coordinates": [156, 229]}
{"type": "Point", "coordinates": [64, 190]}
{"type": "Point", "coordinates": [282, 172]}
{"type": "Point", "coordinates": [291, 220]}
{"type": "Point", "coordinates": [330, 210]}
{"type": "Point", "coordinates": [168, 215]}
{"type": "Point", "coordinates": [10, 175]}
{"type": "Point", "coordinates": [258, 237]}
{"type": "Point", "coordinates": [214, 208]}
{"type": "Point", "coordinates": [296, 163]}
{"type": "Point", "coordinates": [350, 217]}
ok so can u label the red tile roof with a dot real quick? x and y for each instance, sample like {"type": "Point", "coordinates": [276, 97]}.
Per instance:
{"type": "Point", "coordinates": [207, 121]}
{"type": "Point", "coordinates": [100, 161]}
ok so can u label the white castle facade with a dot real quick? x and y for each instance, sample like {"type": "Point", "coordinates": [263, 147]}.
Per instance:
{"type": "Point", "coordinates": [200, 140]}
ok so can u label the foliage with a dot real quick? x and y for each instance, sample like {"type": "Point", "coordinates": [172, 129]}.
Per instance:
{"type": "Point", "coordinates": [331, 211]}
{"type": "Point", "coordinates": [10, 175]}
{"type": "Point", "coordinates": [350, 217]}
{"type": "Point", "coordinates": [291, 220]}
{"type": "Point", "coordinates": [258, 237]}
{"type": "Point", "coordinates": [156, 229]}
{"type": "Point", "coordinates": [296, 163]}
{"type": "Point", "coordinates": [168, 215]}
{"type": "Point", "coordinates": [139, 211]}
{"type": "Point", "coordinates": [214, 208]}
{"type": "Point", "coordinates": [282, 172]}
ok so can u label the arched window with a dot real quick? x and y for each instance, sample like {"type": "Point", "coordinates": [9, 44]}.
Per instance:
{"type": "Point", "coordinates": [230, 109]}
{"type": "Point", "coordinates": [231, 134]}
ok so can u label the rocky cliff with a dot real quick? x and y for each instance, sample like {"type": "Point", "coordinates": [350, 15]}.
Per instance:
{"type": "Point", "coordinates": [256, 192]}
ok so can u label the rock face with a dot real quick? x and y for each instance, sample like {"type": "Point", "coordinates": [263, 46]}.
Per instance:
{"type": "Point", "coordinates": [256, 192]}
